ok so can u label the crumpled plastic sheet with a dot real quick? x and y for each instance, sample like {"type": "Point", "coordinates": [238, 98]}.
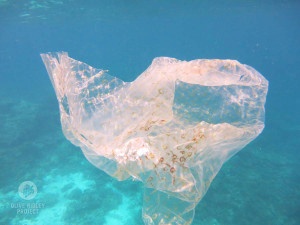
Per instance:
{"type": "Point", "coordinates": [172, 128]}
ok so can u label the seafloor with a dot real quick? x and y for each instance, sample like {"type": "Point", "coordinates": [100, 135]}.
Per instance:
{"type": "Point", "coordinates": [259, 184]}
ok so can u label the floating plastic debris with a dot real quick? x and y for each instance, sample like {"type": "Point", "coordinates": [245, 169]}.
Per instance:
{"type": "Point", "coordinates": [172, 128]}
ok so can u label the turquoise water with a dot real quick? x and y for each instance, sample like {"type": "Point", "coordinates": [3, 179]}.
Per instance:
{"type": "Point", "coordinates": [259, 185]}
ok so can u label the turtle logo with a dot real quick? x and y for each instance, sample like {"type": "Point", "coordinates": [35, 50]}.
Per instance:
{"type": "Point", "coordinates": [27, 190]}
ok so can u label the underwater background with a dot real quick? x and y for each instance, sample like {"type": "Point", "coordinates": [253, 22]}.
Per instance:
{"type": "Point", "coordinates": [260, 185]}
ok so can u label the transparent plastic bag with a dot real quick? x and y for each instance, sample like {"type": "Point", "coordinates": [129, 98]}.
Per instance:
{"type": "Point", "coordinates": [172, 128]}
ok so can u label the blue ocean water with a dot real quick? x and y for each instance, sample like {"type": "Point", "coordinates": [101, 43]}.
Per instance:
{"type": "Point", "coordinates": [259, 185]}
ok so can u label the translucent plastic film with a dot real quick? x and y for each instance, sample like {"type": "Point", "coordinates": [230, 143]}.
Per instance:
{"type": "Point", "coordinates": [172, 128]}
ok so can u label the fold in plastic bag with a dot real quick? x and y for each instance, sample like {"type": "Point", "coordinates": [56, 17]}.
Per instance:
{"type": "Point", "coordinates": [172, 128]}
